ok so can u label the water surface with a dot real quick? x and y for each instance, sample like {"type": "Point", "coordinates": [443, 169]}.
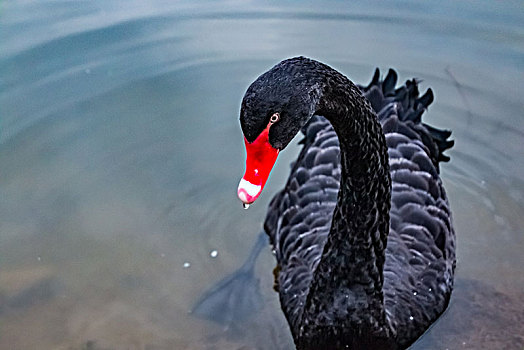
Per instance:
{"type": "Point", "coordinates": [120, 153]}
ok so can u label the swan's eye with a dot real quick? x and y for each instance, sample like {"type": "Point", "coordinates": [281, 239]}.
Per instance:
{"type": "Point", "coordinates": [274, 118]}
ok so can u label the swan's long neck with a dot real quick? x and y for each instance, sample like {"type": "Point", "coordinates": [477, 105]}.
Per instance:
{"type": "Point", "coordinates": [345, 301]}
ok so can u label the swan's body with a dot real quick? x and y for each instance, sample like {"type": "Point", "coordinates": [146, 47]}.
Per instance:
{"type": "Point", "coordinates": [365, 250]}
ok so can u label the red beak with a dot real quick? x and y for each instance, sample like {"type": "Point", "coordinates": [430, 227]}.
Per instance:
{"type": "Point", "coordinates": [261, 157]}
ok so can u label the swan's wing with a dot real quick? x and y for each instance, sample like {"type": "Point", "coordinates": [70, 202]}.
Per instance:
{"type": "Point", "coordinates": [420, 252]}
{"type": "Point", "coordinates": [420, 255]}
{"type": "Point", "coordinates": [299, 217]}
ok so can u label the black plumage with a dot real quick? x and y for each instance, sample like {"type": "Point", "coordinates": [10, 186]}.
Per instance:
{"type": "Point", "coordinates": [362, 231]}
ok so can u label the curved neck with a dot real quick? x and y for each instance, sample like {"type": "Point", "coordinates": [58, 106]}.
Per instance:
{"type": "Point", "coordinates": [347, 284]}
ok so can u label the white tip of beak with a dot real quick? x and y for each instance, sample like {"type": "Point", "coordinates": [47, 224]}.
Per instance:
{"type": "Point", "coordinates": [242, 196]}
{"type": "Point", "coordinates": [247, 192]}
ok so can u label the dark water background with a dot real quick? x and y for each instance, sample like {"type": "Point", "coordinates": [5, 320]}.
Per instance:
{"type": "Point", "coordinates": [120, 153]}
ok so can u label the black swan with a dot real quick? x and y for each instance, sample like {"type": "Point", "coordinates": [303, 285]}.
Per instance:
{"type": "Point", "coordinates": [362, 231]}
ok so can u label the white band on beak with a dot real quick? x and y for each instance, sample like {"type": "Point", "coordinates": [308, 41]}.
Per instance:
{"type": "Point", "coordinates": [246, 191]}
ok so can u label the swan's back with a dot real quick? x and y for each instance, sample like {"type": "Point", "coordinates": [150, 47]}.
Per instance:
{"type": "Point", "coordinates": [420, 255]}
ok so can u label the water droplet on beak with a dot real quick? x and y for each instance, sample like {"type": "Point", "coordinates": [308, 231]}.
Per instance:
{"type": "Point", "coordinates": [245, 206]}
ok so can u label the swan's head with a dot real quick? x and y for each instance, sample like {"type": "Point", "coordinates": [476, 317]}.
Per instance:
{"type": "Point", "coordinates": [274, 109]}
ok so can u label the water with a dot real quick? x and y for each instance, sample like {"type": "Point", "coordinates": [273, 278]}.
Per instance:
{"type": "Point", "coordinates": [120, 153]}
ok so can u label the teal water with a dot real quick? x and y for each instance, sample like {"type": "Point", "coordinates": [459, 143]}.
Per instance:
{"type": "Point", "coordinates": [120, 153]}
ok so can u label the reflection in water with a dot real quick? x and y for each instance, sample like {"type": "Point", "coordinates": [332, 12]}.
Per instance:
{"type": "Point", "coordinates": [120, 153]}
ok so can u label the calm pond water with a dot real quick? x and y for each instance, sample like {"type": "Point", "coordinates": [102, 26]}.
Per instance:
{"type": "Point", "coordinates": [120, 153]}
